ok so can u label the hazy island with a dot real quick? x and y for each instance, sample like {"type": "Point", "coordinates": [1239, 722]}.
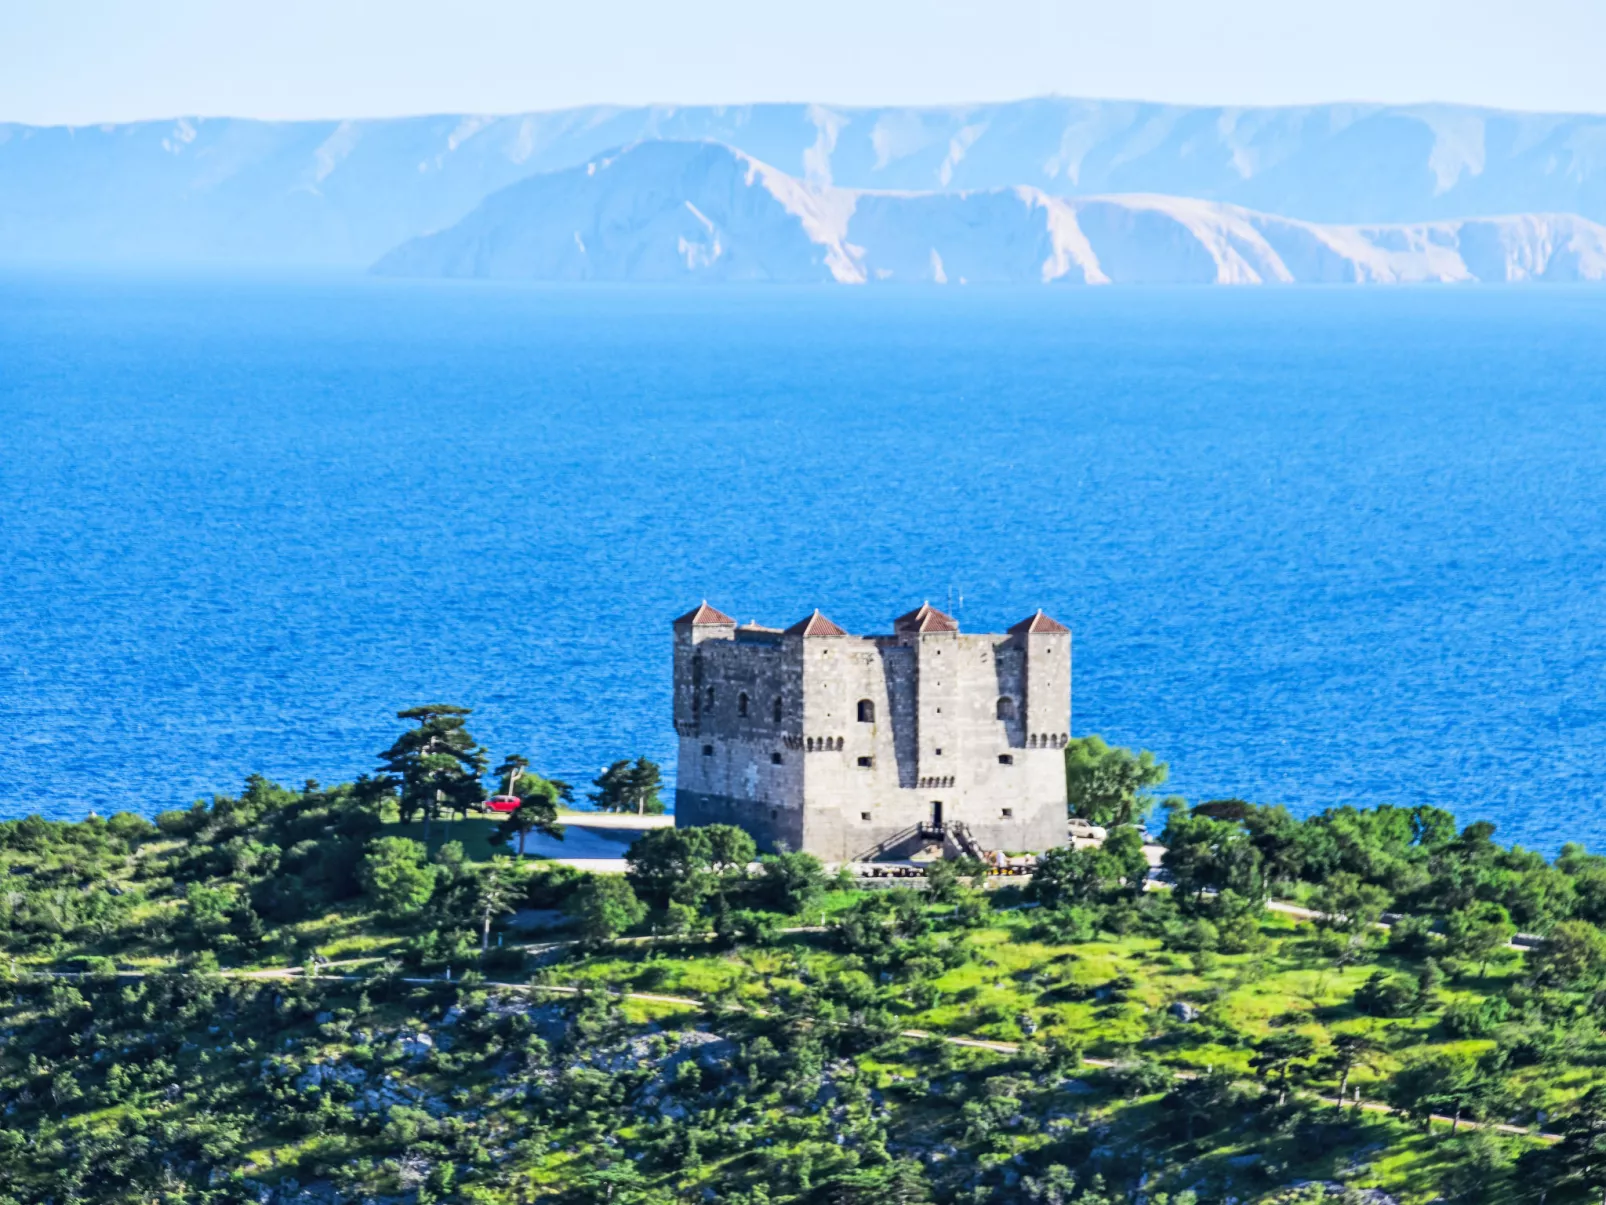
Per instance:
{"type": "Point", "coordinates": [363, 993]}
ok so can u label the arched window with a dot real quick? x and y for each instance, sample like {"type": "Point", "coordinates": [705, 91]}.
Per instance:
{"type": "Point", "coordinates": [1006, 708]}
{"type": "Point", "coordinates": [777, 709]}
{"type": "Point", "coordinates": [866, 711]}
{"type": "Point", "coordinates": [708, 699]}
{"type": "Point", "coordinates": [741, 703]}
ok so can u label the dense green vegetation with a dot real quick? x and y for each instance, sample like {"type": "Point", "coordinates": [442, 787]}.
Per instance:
{"type": "Point", "coordinates": [282, 996]}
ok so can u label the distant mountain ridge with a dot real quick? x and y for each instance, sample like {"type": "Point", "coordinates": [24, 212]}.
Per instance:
{"type": "Point", "coordinates": [703, 211]}
{"type": "Point", "coordinates": [342, 193]}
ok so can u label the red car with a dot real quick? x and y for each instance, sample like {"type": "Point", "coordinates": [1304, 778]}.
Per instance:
{"type": "Point", "coordinates": [502, 803]}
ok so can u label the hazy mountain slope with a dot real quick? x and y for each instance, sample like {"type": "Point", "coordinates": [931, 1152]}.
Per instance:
{"type": "Point", "coordinates": [660, 211]}
{"type": "Point", "coordinates": [677, 211]}
{"type": "Point", "coordinates": [341, 192]}
{"type": "Point", "coordinates": [1014, 235]}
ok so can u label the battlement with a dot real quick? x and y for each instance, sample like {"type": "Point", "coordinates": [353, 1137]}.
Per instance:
{"type": "Point", "coordinates": [835, 743]}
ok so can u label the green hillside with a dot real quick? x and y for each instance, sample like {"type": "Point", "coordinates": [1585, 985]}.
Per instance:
{"type": "Point", "coordinates": [280, 997]}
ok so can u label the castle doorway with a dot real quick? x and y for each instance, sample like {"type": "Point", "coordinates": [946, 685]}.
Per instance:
{"type": "Point", "coordinates": [936, 811]}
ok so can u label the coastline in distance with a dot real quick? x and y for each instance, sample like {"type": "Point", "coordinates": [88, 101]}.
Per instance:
{"type": "Point", "coordinates": [663, 212]}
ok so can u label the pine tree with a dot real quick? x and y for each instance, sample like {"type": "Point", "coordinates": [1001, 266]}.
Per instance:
{"type": "Point", "coordinates": [510, 772]}
{"type": "Point", "coordinates": [628, 786]}
{"type": "Point", "coordinates": [1350, 1050]}
{"type": "Point", "coordinates": [1277, 1054]}
{"type": "Point", "coordinates": [495, 894]}
{"type": "Point", "coordinates": [539, 799]}
{"type": "Point", "coordinates": [437, 762]}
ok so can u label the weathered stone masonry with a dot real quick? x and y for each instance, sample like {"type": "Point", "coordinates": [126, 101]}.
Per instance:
{"type": "Point", "coordinates": [857, 747]}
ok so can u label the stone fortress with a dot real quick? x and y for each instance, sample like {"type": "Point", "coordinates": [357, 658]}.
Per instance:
{"type": "Point", "coordinates": [856, 748]}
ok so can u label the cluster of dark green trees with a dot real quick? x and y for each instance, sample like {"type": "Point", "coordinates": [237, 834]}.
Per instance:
{"type": "Point", "coordinates": [249, 867]}
{"type": "Point", "coordinates": [1410, 859]}
{"type": "Point", "coordinates": [690, 880]}
{"type": "Point", "coordinates": [1456, 892]}
{"type": "Point", "coordinates": [1356, 865]}
{"type": "Point", "coordinates": [437, 767]}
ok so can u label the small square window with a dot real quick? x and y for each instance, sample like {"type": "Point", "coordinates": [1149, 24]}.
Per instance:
{"type": "Point", "coordinates": [1009, 813]}
{"type": "Point", "coordinates": [867, 762]}
{"type": "Point", "coordinates": [864, 815]}
{"type": "Point", "coordinates": [939, 752]}
{"type": "Point", "coordinates": [708, 751]}
{"type": "Point", "coordinates": [775, 759]}
{"type": "Point", "coordinates": [1006, 759]}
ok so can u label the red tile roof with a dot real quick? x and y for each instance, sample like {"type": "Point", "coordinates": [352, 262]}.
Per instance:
{"type": "Point", "coordinates": [815, 625]}
{"type": "Point", "coordinates": [1038, 625]}
{"type": "Point", "coordinates": [925, 618]}
{"type": "Point", "coordinates": [703, 614]}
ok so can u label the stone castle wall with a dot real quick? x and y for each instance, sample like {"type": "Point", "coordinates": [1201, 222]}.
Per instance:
{"type": "Point", "coordinates": [845, 745]}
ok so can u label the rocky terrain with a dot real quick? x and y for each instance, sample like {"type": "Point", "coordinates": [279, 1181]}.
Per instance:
{"type": "Point", "coordinates": [218, 191]}
{"type": "Point", "coordinates": [664, 211]}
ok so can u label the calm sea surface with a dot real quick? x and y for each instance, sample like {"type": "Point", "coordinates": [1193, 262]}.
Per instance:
{"type": "Point", "coordinates": [1317, 547]}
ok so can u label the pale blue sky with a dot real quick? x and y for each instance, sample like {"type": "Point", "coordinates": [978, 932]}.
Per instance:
{"type": "Point", "coordinates": [81, 61]}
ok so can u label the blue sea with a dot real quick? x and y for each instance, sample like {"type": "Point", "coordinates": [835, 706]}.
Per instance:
{"type": "Point", "coordinates": [1317, 546]}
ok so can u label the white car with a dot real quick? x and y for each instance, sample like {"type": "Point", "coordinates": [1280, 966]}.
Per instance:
{"type": "Point", "coordinates": [1086, 831]}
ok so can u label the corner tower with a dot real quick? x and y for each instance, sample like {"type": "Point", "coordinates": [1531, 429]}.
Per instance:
{"type": "Point", "coordinates": [1046, 720]}
{"type": "Point", "coordinates": [701, 623]}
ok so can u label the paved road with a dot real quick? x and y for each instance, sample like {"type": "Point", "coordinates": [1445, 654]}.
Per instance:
{"type": "Point", "coordinates": [594, 841]}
